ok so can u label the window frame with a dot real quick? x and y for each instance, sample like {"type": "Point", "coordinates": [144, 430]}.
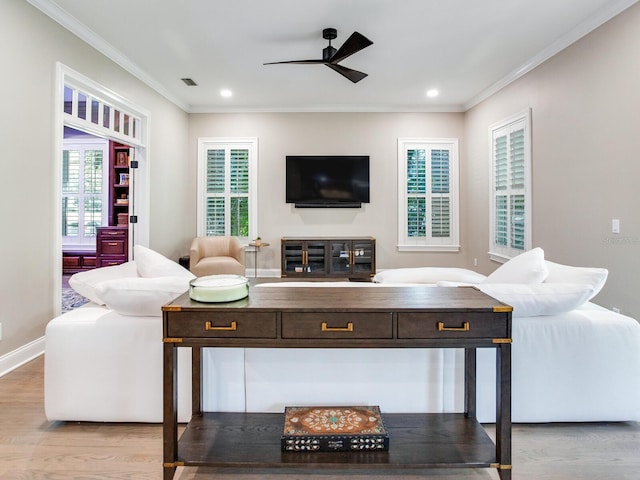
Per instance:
{"type": "Point", "coordinates": [503, 253]}
{"type": "Point", "coordinates": [82, 145]}
{"type": "Point", "coordinates": [429, 243]}
{"type": "Point", "coordinates": [227, 143]}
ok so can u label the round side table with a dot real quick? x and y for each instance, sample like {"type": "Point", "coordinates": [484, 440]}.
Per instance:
{"type": "Point", "coordinates": [256, 250]}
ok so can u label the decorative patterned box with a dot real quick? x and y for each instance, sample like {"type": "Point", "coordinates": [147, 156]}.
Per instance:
{"type": "Point", "coordinates": [334, 429]}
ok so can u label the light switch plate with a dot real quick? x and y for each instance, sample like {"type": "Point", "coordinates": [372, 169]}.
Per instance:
{"type": "Point", "coordinates": [615, 226]}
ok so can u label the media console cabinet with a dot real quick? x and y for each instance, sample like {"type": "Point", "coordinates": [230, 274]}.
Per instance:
{"type": "Point", "coordinates": [334, 317]}
{"type": "Point", "coordinates": [349, 257]}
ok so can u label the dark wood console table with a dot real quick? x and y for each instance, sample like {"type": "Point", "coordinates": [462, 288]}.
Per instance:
{"type": "Point", "coordinates": [334, 317]}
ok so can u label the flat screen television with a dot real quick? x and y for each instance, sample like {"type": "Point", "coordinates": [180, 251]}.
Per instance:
{"type": "Point", "coordinates": [316, 181]}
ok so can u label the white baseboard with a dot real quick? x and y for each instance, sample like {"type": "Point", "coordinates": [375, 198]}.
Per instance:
{"type": "Point", "coordinates": [20, 356]}
{"type": "Point", "coordinates": [263, 272]}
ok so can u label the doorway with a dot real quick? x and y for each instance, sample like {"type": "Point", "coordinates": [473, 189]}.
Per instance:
{"type": "Point", "coordinates": [96, 114]}
{"type": "Point", "coordinates": [95, 202]}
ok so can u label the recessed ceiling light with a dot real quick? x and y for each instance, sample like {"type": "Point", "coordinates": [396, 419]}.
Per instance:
{"type": "Point", "coordinates": [432, 93]}
{"type": "Point", "coordinates": [225, 92]}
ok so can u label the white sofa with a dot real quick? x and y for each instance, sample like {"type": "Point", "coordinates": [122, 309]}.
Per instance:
{"type": "Point", "coordinates": [572, 360]}
{"type": "Point", "coordinates": [103, 361]}
{"type": "Point", "coordinates": [101, 366]}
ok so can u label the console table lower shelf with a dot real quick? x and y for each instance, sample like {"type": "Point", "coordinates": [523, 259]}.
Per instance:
{"type": "Point", "coordinates": [416, 441]}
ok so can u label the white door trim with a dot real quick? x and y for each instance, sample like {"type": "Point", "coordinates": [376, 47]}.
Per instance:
{"type": "Point", "coordinates": [139, 142]}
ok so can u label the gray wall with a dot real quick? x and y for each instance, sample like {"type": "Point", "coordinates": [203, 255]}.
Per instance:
{"type": "Point", "coordinates": [30, 46]}
{"type": "Point", "coordinates": [585, 103]}
{"type": "Point", "coordinates": [373, 134]}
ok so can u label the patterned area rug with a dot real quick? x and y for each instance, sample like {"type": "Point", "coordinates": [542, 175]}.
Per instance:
{"type": "Point", "coordinates": [71, 299]}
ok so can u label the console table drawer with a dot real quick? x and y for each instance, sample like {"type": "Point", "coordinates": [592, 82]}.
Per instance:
{"type": "Point", "coordinates": [223, 324]}
{"type": "Point", "coordinates": [450, 325]}
{"type": "Point", "coordinates": [337, 325]}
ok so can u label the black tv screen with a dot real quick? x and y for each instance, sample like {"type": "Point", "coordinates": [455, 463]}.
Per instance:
{"type": "Point", "coordinates": [327, 181]}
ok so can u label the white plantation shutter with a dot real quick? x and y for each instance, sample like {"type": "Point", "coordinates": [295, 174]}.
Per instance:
{"type": "Point", "coordinates": [215, 202]}
{"type": "Point", "coordinates": [502, 220]}
{"type": "Point", "coordinates": [239, 171]}
{"type": "Point", "coordinates": [416, 186]}
{"type": "Point", "coordinates": [215, 171]}
{"type": "Point", "coordinates": [70, 192]}
{"type": "Point", "coordinates": [227, 187]}
{"type": "Point", "coordinates": [93, 179]}
{"type": "Point", "coordinates": [84, 171]}
{"type": "Point", "coordinates": [516, 144]}
{"type": "Point", "coordinates": [511, 202]}
{"type": "Point", "coordinates": [239, 187]}
{"type": "Point", "coordinates": [215, 217]}
{"type": "Point", "coordinates": [440, 193]}
{"type": "Point", "coordinates": [440, 217]}
{"type": "Point", "coordinates": [428, 203]}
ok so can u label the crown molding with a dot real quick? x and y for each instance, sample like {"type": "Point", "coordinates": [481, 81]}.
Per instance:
{"type": "Point", "coordinates": [563, 42]}
{"type": "Point", "coordinates": [331, 109]}
{"type": "Point", "coordinates": [88, 36]}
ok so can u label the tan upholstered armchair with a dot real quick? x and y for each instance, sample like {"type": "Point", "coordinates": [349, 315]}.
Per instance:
{"type": "Point", "coordinates": [216, 255]}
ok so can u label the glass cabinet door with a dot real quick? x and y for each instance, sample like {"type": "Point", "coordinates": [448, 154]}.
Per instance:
{"type": "Point", "coordinates": [303, 257]}
{"type": "Point", "coordinates": [351, 258]}
{"type": "Point", "coordinates": [292, 255]}
{"type": "Point", "coordinates": [362, 257]}
{"type": "Point", "coordinates": [340, 258]}
{"type": "Point", "coordinates": [316, 256]}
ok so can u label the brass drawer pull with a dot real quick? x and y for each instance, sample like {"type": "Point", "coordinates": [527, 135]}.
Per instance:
{"type": "Point", "coordinates": [113, 244]}
{"type": "Point", "coordinates": [463, 328]}
{"type": "Point", "coordinates": [348, 328]}
{"type": "Point", "coordinates": [231, 328]}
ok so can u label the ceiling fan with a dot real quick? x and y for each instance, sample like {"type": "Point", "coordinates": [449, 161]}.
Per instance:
{"type": "Point", "coordinates": [331, 57]}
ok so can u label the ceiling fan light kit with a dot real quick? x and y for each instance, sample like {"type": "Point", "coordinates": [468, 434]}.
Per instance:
{"type": "Point", "coordinates": [331, 57]}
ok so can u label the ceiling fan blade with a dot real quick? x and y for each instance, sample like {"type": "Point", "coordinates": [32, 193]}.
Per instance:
{"type": "Point", "coordinates": [353, 75]}
{"type": "Point", "coordinates": [296, 61]}
{"type": "Point", "coordinates": [354, 43]}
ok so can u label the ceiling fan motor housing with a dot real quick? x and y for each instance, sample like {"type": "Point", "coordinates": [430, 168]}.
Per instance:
{"type": "Point", "coordinates": [329, 33]}
{"type": "Point", "coordinates": [328, 52]}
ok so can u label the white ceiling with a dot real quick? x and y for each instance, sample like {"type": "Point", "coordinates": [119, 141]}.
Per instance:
{"type": "Point", "coordinates": [467, 49]}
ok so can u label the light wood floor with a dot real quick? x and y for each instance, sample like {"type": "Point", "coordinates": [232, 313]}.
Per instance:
{"type": "Point", "coordinates": [33, 448]}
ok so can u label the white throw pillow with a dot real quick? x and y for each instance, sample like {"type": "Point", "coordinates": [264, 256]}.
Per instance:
{"type": "Point", "coordinates": [528, 267]}
{"type": "Point", "coordinates": [85, 282]}
{"type": "Point", "coordinates": [558, 273]}
{"type": "Point", "coordinates": [141, 296]}
{"type": "Point", "coordinates": [428, 275]}
{"type": "Point", "coordinates": [539, 299]}
{"type": "Point", "coordinates": [152, 264]}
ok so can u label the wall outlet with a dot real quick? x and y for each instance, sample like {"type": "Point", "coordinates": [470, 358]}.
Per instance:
{"type": "Point", "coordinates": [475, 262]}
{"type": "Point", "coordinates": [0, 331]}
{"type": "Point", "coordinates": [615, 309]}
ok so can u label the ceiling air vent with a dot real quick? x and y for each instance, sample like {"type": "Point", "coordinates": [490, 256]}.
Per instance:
{"type": "Point", "coordinates": [189, 82]}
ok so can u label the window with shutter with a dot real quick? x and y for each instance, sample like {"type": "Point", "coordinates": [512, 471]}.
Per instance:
{"type": "Point", "coordinates": [84, 170]}
{"type": "Point", "coordinates": [511, 187]}
{"type": "Point", "coordinates": [227, 187]}
{"type": "Point", "coordinates": [428, 194]}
